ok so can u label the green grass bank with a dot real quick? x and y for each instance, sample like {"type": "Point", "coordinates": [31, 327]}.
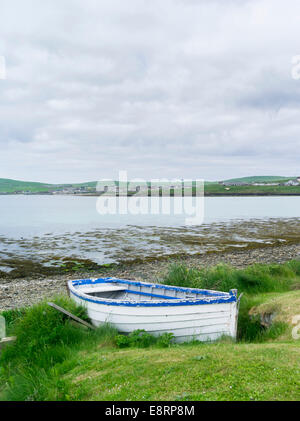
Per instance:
{"type": "Point", "coordinates": [54, 359]}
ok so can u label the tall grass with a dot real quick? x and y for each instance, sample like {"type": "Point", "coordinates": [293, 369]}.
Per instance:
{"type": "Point", "coordinates": [11, 316]}
{"type": "Point", "coordinates": [254, 279]}
{"type": "Point", "coordinates": [46, 347]}
{"type": "Point", "coordinates": [250, 328]}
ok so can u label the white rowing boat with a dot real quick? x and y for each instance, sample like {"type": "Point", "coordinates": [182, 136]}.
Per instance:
{"type": "Point", "coordinates": [187, 313]}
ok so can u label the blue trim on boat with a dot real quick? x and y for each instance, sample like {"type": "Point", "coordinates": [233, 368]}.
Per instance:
{"type": "Point", "coordinates": [214, 296]}
{"type": "Point", "coordinates": [224, 300]}
{"type": "Point", "coordinates": [148, 285]}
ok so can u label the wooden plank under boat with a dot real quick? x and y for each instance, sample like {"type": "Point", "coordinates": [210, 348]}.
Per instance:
{"type": "Point", "coordinates": [187, 313]}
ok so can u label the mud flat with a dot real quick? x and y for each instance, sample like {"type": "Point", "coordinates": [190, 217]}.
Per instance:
{"type": "Point", "coordinates": [22, 292]}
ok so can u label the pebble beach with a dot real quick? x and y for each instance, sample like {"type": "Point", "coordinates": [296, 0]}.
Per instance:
{"type": "Point", "coordinates": [23, 292]}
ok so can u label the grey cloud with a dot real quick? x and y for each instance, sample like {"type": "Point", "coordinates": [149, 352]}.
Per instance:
{"type": "Point", "coordinates": [187, 88]}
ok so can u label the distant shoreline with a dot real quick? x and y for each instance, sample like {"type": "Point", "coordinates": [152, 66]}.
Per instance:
{"type": "Point", "coordinates": [247, 186]}
{"type": "Point", "coordinates": [128, 195]}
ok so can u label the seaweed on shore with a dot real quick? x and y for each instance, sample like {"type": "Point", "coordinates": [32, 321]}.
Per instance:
{"type": "Point", "coordinates": [24, 268]}
{"type": "Point", "coordinates": [104, 249]}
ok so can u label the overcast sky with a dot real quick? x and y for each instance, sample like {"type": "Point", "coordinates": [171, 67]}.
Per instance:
{"type": "Point", "coordinates": [160, 88]}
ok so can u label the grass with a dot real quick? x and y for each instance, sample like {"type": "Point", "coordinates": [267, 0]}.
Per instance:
{"type": "Point", "coordinates": [46, 344]}
{"type": "Point", "coordinates": [53, 359]}
{"type": "Point", "coordinates": [211, 188]}
{"type": "Point", "coordinates": [250, 327]}
{"type": "Point", "coordinates": [11, 186]}
{"type": "Point", "coordinates": [254, 279]}
{"type": "Point", "coordinates": [219, 371]}
{"type": "Point", "coordinates": [218, 189]}
{"type": "Point", "coordinates": [260, 179]}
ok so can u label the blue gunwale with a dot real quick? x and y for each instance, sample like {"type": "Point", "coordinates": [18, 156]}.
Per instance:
{"type": "Point", "coordinates": [210, 297]}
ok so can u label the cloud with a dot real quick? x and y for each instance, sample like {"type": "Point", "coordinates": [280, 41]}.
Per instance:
{"type": "Point", "coordinates": [178, 88]}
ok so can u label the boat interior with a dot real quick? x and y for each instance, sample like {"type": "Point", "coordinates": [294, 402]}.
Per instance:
{"type": "Point", "coordinates": [134, 292]}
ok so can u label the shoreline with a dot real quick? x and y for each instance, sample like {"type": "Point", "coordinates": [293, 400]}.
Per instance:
{"type": "Point", "coordinates": [186, 195]}
{"type": "Point", "coordinates": [16, 293]}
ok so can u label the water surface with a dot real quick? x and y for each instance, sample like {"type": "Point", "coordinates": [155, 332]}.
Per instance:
{"type": "Point", "coordinates": [46, 228]}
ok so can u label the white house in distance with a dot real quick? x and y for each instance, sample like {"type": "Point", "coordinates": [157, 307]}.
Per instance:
{"type": "Point", "coordinates": [294, 182]}
{"type": "Point", "coordinates": [291, 182]}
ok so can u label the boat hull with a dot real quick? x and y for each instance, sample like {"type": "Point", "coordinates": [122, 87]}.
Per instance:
{"type": "Point", "coordinates": [204, 322]}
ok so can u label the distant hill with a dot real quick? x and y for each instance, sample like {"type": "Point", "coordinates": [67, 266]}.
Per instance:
{"type": "Point", "coordinates": [259, 179]}
{"type": "Point", "coordinates": [10, 186]}
{"type": "Point", "coordinates": [15, 186]}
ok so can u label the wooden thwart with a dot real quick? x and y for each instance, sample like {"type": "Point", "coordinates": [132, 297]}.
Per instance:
{"type": "Point", "coordinates": [72, 316]}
